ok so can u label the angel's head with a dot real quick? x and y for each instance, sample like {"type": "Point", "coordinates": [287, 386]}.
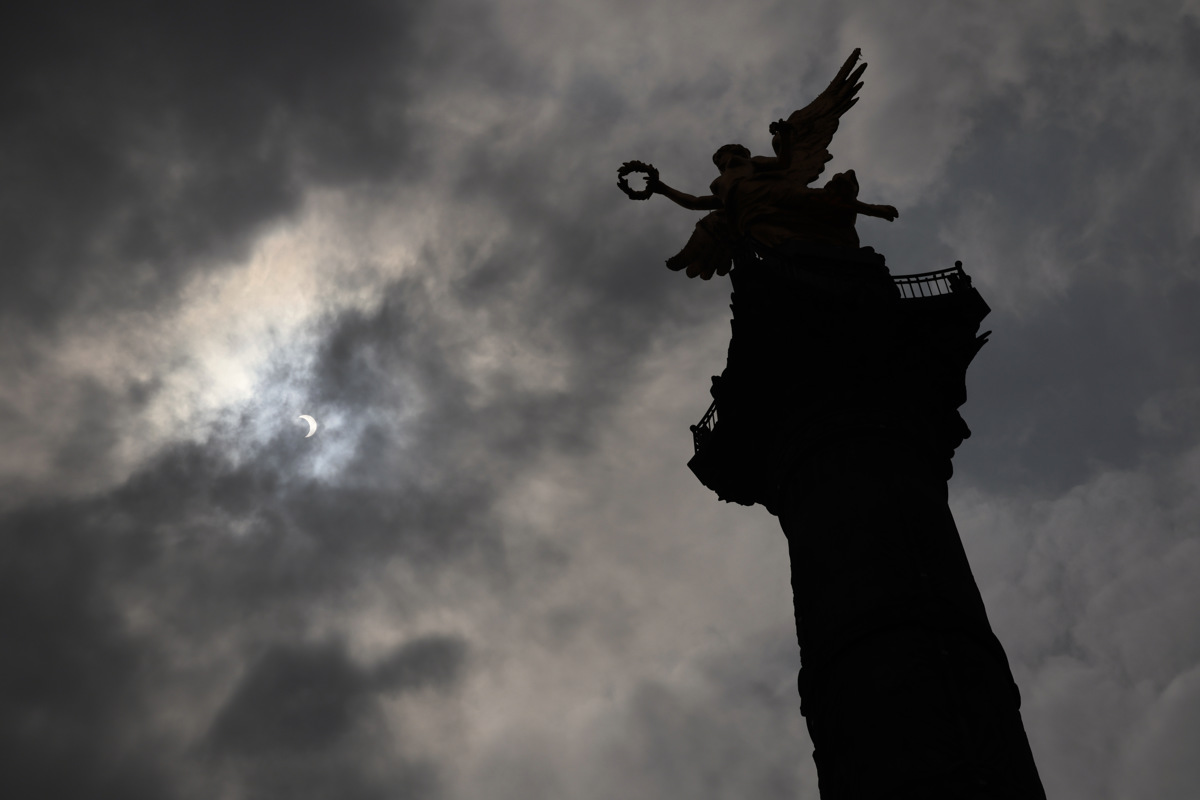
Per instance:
{"type": "Point", "coordinates": [729, 151]}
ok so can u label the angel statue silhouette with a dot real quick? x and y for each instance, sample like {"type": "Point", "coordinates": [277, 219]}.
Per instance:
{"type": "Point", "coordinates": [766, 201]}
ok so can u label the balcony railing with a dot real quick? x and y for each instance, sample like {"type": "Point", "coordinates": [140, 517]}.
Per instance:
{"type": "Point", "coordinates": [924, 284]}
{"type": "Point", "coordinates": [933, 284]}
{"type": "Point", "coordinates": [704, 427]}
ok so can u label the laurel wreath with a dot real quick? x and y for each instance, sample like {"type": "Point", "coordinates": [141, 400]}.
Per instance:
{"type": "Point", "coordinates": [637, 166]}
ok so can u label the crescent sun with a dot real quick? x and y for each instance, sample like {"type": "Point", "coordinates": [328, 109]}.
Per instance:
{"type": "Point", "coordinates": [312, 424]}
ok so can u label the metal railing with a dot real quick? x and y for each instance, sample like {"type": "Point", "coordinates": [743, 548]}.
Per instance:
{"type": "Point", "coordinates": [704, 427]}
{"type": "Point", "coordinates": [924, 284]}
{"type": "Point", "coordinates": [933, 284]}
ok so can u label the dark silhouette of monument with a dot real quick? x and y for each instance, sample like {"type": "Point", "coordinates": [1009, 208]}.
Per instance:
{"type": "Point", "coordinates": [838, 411]}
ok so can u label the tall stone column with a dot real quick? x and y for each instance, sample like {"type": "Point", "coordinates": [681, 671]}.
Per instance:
{"type": "Point", "coordinates": [906, 691]}
{"type": "Point", "coordinates": [838, 411]}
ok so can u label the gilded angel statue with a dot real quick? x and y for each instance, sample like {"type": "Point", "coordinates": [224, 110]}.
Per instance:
{"type": "Point", "coordinates": [766, 201]}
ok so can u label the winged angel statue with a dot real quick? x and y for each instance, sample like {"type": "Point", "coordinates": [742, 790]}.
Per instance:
{"type": "Point", "coordinates": [766, 200]}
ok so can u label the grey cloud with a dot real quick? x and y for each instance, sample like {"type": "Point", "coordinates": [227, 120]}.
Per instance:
{"type": "Point", "coordinates": [1189, 33]}
{"type": "Point", "coordinates": [78, 684]}
{"type": "Point", "coordinates": [1056, 397]}
{"type": "Point", "coordinates": [243, 548]}
{"type": "Point", "coordinates": [69, 675]}
{"type": "Point", "coordinates": [305, 698]}
{"type": "Point", "coordinates": [141, 141]}
{"type": "Point", "coordinates": [727, 723]}
{"type": "Point", "coordinates": [733, 730]}
{"type": "Point", "coordinates": [434, 661]}
{"type": "Point", "coordinates": [1159, 761]}
{"type": "Point", "coordinates": [409, 349]}
{"type": "Point", "coordinates": [87, 447]}
{"type": "Point", "coordinates": [294, 699]}
{"type": "Point", "coordinates": [1079, 237]}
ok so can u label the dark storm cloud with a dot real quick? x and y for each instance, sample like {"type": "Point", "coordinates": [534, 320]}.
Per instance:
{"type": "Point", "coordinates": [87, 446]}
{"type": "Point", "coordinates": [140, 139]}
{"type": "Point", "coordinates": [304, 721]}
{"type": "Point", "coordinates": [1082, 246]}
{"type": "Point", "coordinates": [1060, 169]}
{"type": "Point", "coordinates": [407, 353]}
{"type": "Point", "coordinates": [1054, 398]}
{"type": "Point", "coordinates": [69, 677]}
{"type": "Point", "coordinates": [228, 540]}
{"type": "Point", "coordinates": [723, 732]}
{"type": "Point", "coordinates": [141, 143]}
{"type": "Point", "coordinates": [79, 686]}
{"type": "Point", "coordinates": [304, 698]}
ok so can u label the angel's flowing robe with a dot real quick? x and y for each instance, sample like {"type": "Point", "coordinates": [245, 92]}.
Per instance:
{"type": "Point", "coordinates": [769, 208]}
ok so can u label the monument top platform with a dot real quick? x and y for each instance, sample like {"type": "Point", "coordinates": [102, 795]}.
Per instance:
{"type": "Point", "coordinates": [828, 345]}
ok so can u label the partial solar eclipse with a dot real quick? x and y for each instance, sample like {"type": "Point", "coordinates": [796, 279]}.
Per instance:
{"type": "Point", "coordinates": [312, 424]}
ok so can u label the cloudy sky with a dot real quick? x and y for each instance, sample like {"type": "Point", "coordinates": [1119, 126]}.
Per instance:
{"type": "Point", "coordinates": [490, 574]}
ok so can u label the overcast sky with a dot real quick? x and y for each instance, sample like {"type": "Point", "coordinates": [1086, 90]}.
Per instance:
{"type": "Point", "coordinates": [490, 574]}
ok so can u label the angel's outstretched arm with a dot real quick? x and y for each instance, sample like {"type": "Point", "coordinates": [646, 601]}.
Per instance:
{"type": "Point", "coordinates": [688, 201]}
{"type": "Point", "coordinates": [883, 212]}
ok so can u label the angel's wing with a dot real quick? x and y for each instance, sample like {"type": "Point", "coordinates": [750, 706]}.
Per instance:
{"type": "Point", "coordinates": [815, 124]}
{"type": "Point", "coordinates": [709, 251]}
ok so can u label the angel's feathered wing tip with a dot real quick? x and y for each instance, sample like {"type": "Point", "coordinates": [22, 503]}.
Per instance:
{"type": "Point", "coordinates": [846, 67]}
